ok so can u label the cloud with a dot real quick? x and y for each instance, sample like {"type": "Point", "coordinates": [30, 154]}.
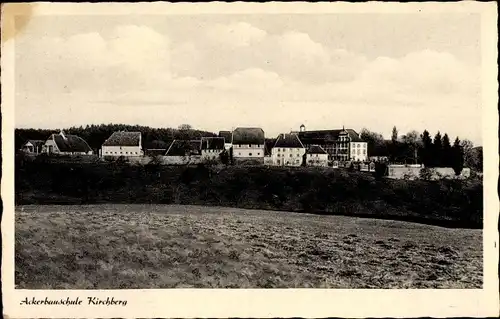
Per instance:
{"type": "Point", "coordinates": [129, 57]}
{"type": "Point", "coordinates": [239, 34]}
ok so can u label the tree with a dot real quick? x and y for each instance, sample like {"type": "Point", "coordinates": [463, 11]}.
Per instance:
{"type": "Point", "coordinates": [412, 141]}
{"type": "Point", "coordinates": [469, 154]}
{"type": "Point", "coordinates": [446, 153]}
{"type": "Point", "coordinates": [394, 136]}
{"type": "Point", "coordinates": [458, 157]}
{"type": "Point", "coordinates": [375, 141]}
{"type": "Point", "coordinates": [426, 150]}
{"type": "Point", "coordinates": [437, 150]}
{"type": "Point", "coordinates": [185, 127]}
{"type": "Point", "coordinates": [224, 157]}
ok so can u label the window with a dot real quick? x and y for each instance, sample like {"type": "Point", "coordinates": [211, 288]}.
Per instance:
{"type": "Point", "coordinates": [316, 155]}
{"type": "Point", "coordinates": [239, 153]}
{"type": "Point", "coordinates": [258, 154]}
{"type": "Point", "coordinates": [249, 145]}
{"type": "Point", "coordinates": [126, 152]}
{"type": "Point", "coordinates": [298, 155]}
{"type": "Point", "coordinates": [358, 152]}
{"type": "Point", "coordinates": [278, 162]}
{"type": "Point", "coordinates": [278, 155]}
{"type": "Point", "coordinates": [249, 154]}
{"type": "Point", "coordinates": [364, 152]}
{"type": "Point", "coordinates": [291, 155]}
{"type": "Point", "coordinates": [278, 150]}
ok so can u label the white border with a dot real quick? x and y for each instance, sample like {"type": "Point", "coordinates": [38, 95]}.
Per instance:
{"type": "Point", "coordinates": [264, 303]}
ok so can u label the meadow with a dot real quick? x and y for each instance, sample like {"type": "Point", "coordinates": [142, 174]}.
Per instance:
{"type": "Point", "coordinates": [182, 246]}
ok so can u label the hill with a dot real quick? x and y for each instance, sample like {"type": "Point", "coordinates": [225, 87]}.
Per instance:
{"type": "Point", "coordinates": [452, 203]}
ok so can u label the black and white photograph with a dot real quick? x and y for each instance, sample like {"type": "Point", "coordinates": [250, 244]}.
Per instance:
{"type": "Point", "coordinates": [248, 150]}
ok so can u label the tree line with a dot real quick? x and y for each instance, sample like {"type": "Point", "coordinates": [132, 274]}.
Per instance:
{"type": "Point", "coordinates": [95, 135]}
{"type": "Point", "coordinates": [413, 147]}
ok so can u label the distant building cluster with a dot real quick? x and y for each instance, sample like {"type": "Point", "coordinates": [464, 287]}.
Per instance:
{"type": "Point", "coordinates": [297, 148]}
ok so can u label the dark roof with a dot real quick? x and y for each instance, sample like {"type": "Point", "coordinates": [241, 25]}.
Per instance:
{"type": "Point", "coordinates": [212, 143]}
{"type": "Point", "coordinates": [184, 148]}
{"type": "Point", "coordinates": [248, 135]}
{"type": "Point", "coordinates": [288, 140]}
{"type": "Point", "coordinates": [227, 135]}
{"type": "Point", "coordinates": [123, 139]}
{"type": "Point", "coordinates": [70, 143]}
{"type": "Point", "coordinates": [157, 145]}
{"type": "Point", "coordinates": [316, 149]}
{"type": "Point", "coordinates": [327, 136]}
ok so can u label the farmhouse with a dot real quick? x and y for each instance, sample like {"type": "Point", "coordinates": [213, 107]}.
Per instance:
{"type": "Point", "coordinates": [248, 144]}
{"type": "Point", "coordinates": [288, 151]}
{"type": "Point", "coordinates": [316, 156]}
{"type": "Point", "coordinates": [340, 144]}
{"type": "Point", "coordinates": [66, 144]}
{"type": "Point", "coordinates": [123, 144]}
{"type": "Point", "coordinates": [33, 146]}
{"type": "Point", "coordinates": [228, 137]}
{"type": "Point", "coordinates": [211, 147]}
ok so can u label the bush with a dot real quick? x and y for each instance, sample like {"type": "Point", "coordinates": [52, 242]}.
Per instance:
{"type": "Point", "coordinates": [381, 170]}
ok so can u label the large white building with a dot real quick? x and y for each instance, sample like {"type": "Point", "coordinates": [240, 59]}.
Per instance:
{"type": "Point", "coordinates": [248, 143]}
{"type": "Point", "coordinates": [341, 144]}
{"type": "Point", "coordinates": [288, 151]}
{"type": "Point", "coordinates": [126, 144]}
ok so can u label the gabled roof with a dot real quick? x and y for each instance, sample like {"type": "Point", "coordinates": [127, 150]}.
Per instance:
{"type": "Point", "coordinates": [227, 135]}
{"type": "Point", "coordinates": [327, 136]}
{"type": "Point", "coordinates": [123, 139]}
{"type": "Point", "coordinates": [184, 148]}
{"type": "Point", "coordinates": [288, 141]}
{"type": "Point", "coordinates": [35, 143]}
{"type": "Point", "coordinates": [70, 143]}
{"type": "Point", "coordinates": [316, 149]}
{"type": "Point", "coordinates": [248, 135]}
{"type": "Point", "coordinates": [212, 143]}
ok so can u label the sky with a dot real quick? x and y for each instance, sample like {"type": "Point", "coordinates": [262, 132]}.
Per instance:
{"type": "Point", "coordinates": [414, 71]}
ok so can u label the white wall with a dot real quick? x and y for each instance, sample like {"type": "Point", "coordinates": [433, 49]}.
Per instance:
{"type": "Point", "coordinates": [359, 151]}
{"type": "Point", "coordinates": [281, 156]}
{"type": "Point", "coordinates": [50, 142]}
{"type": "Point", "coordinates": [210, 154]}
{"type": "Point", "coordinates": [317, 159]}
{"type": "Point", "coordinates": [246, 151]}
{"type": "Point", "coordinates": [121, 151]}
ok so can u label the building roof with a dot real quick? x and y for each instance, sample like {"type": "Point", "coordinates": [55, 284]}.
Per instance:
{"type": "Point", "coordinates": [157, 145]}
{"type": "Point", "coordinates": [227, 135]}
{"type": "Point", "coordinates": [70, 143]}
{"type": "Point", "coordinates": [184, 148]}
{"type": "Point", "coordinates": [288, 141]}
{"type": "Point", "coordinates": [327, 136]}
{"type": "Point", "coordinates": [123, 139]}
{"type": "Point", "coordinates": [316, 149]}
{"type": "Point", "coordinates": [35, 143]}
{"type": "Point", "coordinates": [212, 143]}
{"type": "Point", "coordinates": [248, 135]}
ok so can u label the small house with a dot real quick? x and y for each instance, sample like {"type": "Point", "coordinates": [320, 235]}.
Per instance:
{"type": "Point", "coordinates": [316, 156]}
{"type": "Point", "coordinates": [122, 143]}
{"type": "Point", "coordinates": [66, 144]}
{"type": "Point", "coordinates": [212, 147]}
{"type": "Point", "coordinates": [248, 144]}
{"type": "Point", "coordinates": [33, 146]}
{"type": "Point", "coordinates": [288, 150]}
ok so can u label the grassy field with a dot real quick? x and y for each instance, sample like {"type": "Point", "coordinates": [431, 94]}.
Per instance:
{"type": "Point", "coordinates": [162, 246]}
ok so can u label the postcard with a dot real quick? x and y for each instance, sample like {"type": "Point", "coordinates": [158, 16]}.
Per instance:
{"type": "Point", "coordinates": [256, 160]}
